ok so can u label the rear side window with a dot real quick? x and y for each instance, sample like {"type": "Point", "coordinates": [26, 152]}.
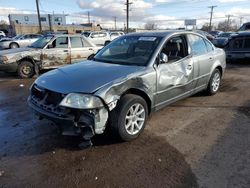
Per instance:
{"type": "Point", "coordinates": [76, 42]}
{"type": "Point", "coordinates": [197, 44]}
{"type": "Point", "coordinates": [209, 46]}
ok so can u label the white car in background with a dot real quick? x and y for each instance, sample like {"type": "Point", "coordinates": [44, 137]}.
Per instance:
{"type": "Point", "coordinates": [115, 34]}
{"type": "Point", "coordinates": [99, 38]}
{"type": "Point", "coordinates": [2, 34]}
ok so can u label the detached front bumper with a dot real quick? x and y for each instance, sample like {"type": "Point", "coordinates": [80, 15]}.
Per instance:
{"type": "Point", "coordinates": [9, 67]}
{"type": "Point", "coordinates": [73, 122]}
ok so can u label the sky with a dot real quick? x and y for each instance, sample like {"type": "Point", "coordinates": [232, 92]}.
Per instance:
{"type": "Point", "coordinates": [164, 13]}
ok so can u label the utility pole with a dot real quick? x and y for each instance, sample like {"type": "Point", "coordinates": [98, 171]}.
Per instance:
{"type": "Point", "coordinates": [38, 15]}
{"type": "Point", "coordinates": [228, 21]}
{"type": "Point", "coordinates": [88, 17]}
{"type": "Point", "coordinates": [115, 18]}
{"type": "Point", "coordinates": [211, 16]}
{"type": "Point", "coordinates": [127, 10]}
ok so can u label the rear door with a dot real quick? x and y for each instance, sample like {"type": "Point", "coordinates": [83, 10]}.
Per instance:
{"type": "Point", "coordinates": [80, 49]}
{"type": "Point", "coordinates": [174, 78]}
{"type": "Point", "coordinates": [203, 55]}
{"type": "Point", "coordinates": [57, 53]}
{"type": "Point", "coordinates": [24, 41]}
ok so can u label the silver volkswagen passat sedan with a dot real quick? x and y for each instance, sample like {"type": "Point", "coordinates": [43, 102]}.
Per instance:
{"type": "Point", "coordinates": [134, 75]}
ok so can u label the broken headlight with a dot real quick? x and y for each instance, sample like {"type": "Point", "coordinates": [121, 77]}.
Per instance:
{"type": "Point", "coordinates": [81, 101]}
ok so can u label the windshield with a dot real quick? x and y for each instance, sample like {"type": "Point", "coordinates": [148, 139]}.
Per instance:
{"type": "Point", "coordinates": [225, 35]}
{"type": "Point", "coordinates": [17, 37]}
{"type": "Point", "coordinates": [129, 50]}
{"type": "Point", "coordinates": [41, 42]}
{"type": "Point", "coordinates": [86, 34]}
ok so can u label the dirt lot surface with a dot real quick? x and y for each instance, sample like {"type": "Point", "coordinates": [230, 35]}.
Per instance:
{"type": "Point", "coordinates": [197, 142]}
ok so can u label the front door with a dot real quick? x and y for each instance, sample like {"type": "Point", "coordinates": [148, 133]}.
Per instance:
{"type": "Point", "coordinates": [174, 78]}
{"type": "Point", "coordinates": [80, 49]}
{"type": "Point", "coordinates": [57, 53]}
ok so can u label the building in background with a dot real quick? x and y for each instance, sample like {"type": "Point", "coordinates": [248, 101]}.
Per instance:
{"type": "Point", "coordinates": [31, 19]}
{"type": "Point", "coordinates": [28, 24]}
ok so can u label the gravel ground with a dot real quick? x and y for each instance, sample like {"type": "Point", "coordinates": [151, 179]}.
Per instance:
{"type": "Point", "coordinates": [197, 142]}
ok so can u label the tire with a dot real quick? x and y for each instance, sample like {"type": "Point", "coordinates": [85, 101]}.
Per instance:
{"type": "Point", "coordinates": [14, 45]}
{"type": "Point", "coordinates": [25, 69]}
{"type": "Point", "coordinates": [214, 83]}
{"type": "Point", "coordinates": [122, 117]}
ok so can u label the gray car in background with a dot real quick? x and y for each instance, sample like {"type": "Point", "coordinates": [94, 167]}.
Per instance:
{"type": "Point", "coordinates": [19, 41]}
{"type": "Point", "coordinates": [127, 80]}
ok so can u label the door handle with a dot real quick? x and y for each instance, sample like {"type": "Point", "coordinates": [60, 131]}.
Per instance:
{"type": "Point", "coordinates": [189, 67]}
{"type": "Point", "coordinates": [65, 50]}
{"type": "Point", "coordinates": [210, 58]}
{"type": "Point", "coordinates": [90, 48]}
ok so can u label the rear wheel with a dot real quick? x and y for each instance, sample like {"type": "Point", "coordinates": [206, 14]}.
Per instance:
{"type": "Point", "coordinates": [26, 69]}
{"type": "Point", "coordinates": [128, 119]}
{"type": "Point", "coordinates": [214, 83]}
{"type": "Point", "coordinates": [14, 45]}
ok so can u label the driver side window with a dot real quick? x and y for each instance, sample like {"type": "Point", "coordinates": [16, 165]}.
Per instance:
{"type": "Point", "coordinates": [175, 48]}
{"type": "Point", "coordinates": [60, 42]}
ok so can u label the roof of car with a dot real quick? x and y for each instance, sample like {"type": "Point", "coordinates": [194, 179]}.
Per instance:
{"type": "Point", "coordinates": [160, 33]}
{"type": "Point", "coordinates": [241, 34]}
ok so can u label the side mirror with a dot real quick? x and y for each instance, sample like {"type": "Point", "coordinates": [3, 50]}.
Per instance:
{"type": "Point", "coordinates": [163, 58]}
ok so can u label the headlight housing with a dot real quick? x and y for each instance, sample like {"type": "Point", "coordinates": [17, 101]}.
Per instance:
{"type": "Point", "coordinates": [81, 101]}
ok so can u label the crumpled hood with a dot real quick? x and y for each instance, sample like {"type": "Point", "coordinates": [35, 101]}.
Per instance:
{"type": "Point", "coordinates": [84, 77]}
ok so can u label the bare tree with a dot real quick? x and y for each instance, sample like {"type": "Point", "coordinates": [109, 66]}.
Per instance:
{"type": "Point", "coordinates": [150, 26]}
{"type": "Point", "coordinates": [206, 27]}
{"type": "Point", "coordinates": [227, 25]}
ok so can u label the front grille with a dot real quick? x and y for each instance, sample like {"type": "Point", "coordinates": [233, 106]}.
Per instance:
{"type": "Point", "coordinates": [48, 100]}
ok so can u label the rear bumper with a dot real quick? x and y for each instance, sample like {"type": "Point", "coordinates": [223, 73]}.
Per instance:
{"type": "Point", "coordinates": [11, 67]}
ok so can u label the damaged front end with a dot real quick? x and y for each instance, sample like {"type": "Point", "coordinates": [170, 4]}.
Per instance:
{"type": "Point", "coordinates": [74, 114]}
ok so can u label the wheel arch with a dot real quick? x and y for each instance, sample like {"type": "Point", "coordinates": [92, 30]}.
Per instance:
{"type": "Point", "coordinates": [140, 93]}
{"type": "Point", "coordinates": [14, 43]}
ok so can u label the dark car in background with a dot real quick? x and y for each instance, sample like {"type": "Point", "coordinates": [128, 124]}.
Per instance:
{"type": "Point", "coordinates": [215, 33]}
{"type": "Point", "coordinates": [238, 47]}
{"type": "Point", "coordinates": [222, 39]}
{"type": "Point", "coordinates": [205, 34]}
{"type": "Point", "coordinates": [245, 27]}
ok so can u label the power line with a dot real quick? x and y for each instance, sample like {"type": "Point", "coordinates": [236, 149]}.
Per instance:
{"type": "Point", "coordinates": [211, 16]}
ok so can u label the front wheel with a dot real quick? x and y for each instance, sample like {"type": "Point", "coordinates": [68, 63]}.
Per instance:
{"type": "Point", "coordinates": [25, 69]}
{"type": "Point", "coordinates": [214, 83]}
{"type": "Point", "coordinates": [128, 119]}
{"type": "Point", "coordinates": [14, 45]}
